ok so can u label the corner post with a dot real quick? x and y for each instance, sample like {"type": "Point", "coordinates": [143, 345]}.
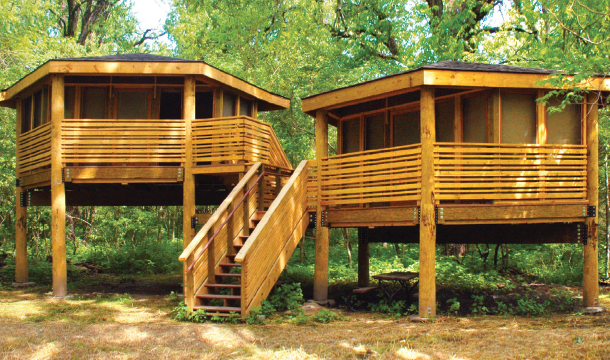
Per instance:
{"type": "Point", "coordinates": [427, 227]}
{"type": "Point", "coordinates": [320, 279]}
{"type": "Point", "coordinates": [590, 267]}
{"type": "Point", "coordinates": [58, 190]}
{"type": "Point", "coordinates": [188, 186]}
{"type": "Point", "coordinates": [21, 225]}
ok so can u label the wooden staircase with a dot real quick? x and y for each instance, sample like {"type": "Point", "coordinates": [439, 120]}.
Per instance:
{"type": "Point", "coordinates": [227, 285]}
{"type": "Point", "coordinates": [237, 256]}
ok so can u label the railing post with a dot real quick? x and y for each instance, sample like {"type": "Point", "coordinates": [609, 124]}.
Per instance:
{"type": "Point", "coordinates": [211, 257]}
{"type": "Point", "coordinates": [590, 267]}
{"type": "Point", "coordinates": [230, 232]}
{"type": "Point", "coordinates": [246, 214]}
{"type": "Point", "coordinates": [427, 226]}
{"type": "Point", "coordinates": [189, 283]}
{"type": "Point", "coordinates": [261, 191]}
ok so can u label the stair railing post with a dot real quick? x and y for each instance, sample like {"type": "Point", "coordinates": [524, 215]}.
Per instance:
{"type": "Point", "coordinates": [230, 232]}
{"type": "Point", "coordinates": [211, 258]}
{"type": "Point", "coordinates": [261, 191]}
{"type": "Point", "coordinates": [189, 283]}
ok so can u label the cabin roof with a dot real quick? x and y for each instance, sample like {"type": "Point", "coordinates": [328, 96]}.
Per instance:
{"type": "Point", "coordinates": [446, 74]}
{"type": "Point", "coordinates": [143, 64]}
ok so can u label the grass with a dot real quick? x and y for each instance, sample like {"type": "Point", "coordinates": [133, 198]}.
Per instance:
{"type": "Point", "coordinates": [32, 325]}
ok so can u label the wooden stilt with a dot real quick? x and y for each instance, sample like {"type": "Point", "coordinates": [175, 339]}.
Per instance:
{"type": "Point", "coordinates": [590, 268]}
{"type": "Point", "coordinates": [58, 191]}
{"type": "Point", "coordinates": [320, 280]}
{"type": "Point", "coordinates": [188, 186]}
{"type": "Point", "coordinates": [21, 248]}
{"type": "Point", "coordinates": [363, 261]}
{"type": "Point", "coordinates": [427, 229]}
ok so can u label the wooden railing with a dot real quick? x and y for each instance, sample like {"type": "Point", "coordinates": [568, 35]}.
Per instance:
{"type": "Point", "coordinates": [385, 175]}
{"type": "Point", "coordinates": [504, 172]}
{"type": "Point", "coordinates": [236, 139]}
{"type": "Point", "coordinates": [272, 242]}
{"type": "Point", "coordinates": [197, 253]}
{"type": "Point", "coordinates": [122, 141]}
{"type": "Point", "coordinates": [34, 149]}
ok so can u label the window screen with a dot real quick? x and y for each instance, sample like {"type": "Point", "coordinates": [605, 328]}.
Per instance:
{"type": "Point", "coordinates": [69, 101]}
{"type": "Point", "coordinates": [375, 131]}
{"type": "Point", "coordinates": [350, 136]}
{"type": "Point", "coordinates": [445, 115]}
{"type": "Point", "coordinates": [170, 105]}
{"type": "Point", "coordinates": [204, 104]}
{"type": "Point", "coordinates": [518, 118]}
{"type": "Point", "coordinates": [26, 114]}
{"type": "Point", "coordinates": [245, 107]}
{"type": "Point", "coordinates": [475, 119]}
{"type": "Point", "coordinates": [93, 103]}
{"type": "Point", "coordinates": [228, 105]}
{"type": "Point", "coordinates": [406, 128]}
{"type": "Point", "coordinates": [564, 127]}
{"type": "Point", "coordinates": [132, 105]}
{"type": "Point", "coordinates": [37, 121]}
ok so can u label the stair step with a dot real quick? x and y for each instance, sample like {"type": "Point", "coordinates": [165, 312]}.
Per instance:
{"type": "Point", "coordinates": [231, 265]}
{"type": "Point", "coordinates": [228, 275]}
{"type": "Point", "coordinates": [244, 237]}
{"type": "Point", "coordinates": [238, 246]}
{"type": "Point", "coordinates": [231, 256]}
{"type": "Point", "coordinates": [226, 309]}
{"type": "Point", "coordinates": [218, 296]}
{"type": "Point", "coordinates": [224, 286]}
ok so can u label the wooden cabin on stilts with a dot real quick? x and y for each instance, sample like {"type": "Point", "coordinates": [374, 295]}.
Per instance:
{"type": "Point", "coordinates": [446, 153]}
{"type": "Point", "coordinates": [456, 153]}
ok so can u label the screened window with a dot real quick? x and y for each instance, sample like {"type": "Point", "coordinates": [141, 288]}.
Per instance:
{"type": "Point", "coordinates": [406, 128]}
{"type": "Point", "coordinates": [518, 118]}
{"type": "Point", "coordinates": [204, 104]}
{"type": "Point", "coordinates": [350, 135]}
{"type": "Point", "coordinates": [245, 107]}
{"type": "Point", "coordinates": [445, 116]}
{"type": "Point", "coordinates": [26, 114]}
{"type": "Point", "coordinates": [69, 102]}
{"type": "Point", "coordinates": [170, 104]}
{"type": "Point", "coordinates": [475, 119]}
{"type": "Point", "coordinates": [228, 105]}
{"type": "Point", "coordinates": [132, 104]}
{"type": "Point", "coordinates": [375, 132]}
{"type": "Point", "coordinates": [93, 103]}
{"type": "Point", "coordinates": [564, 127]}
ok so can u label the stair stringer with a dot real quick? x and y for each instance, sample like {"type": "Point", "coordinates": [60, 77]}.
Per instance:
{"type": "Point", "coordinates": [268, 249]}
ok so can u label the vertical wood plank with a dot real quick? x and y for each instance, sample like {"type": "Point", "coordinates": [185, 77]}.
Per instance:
{"type": "Point", "coordinates": [458, 124]}
{"type": "Point", "coordinates": [21, 217]}
{"type": "Point", "coordinates": [494, 122]}
{"type": "Point", "coordinates": [188, 200]}
{"type": "Point", "coordinates": [427, 229]}
{"type": "Point", "coordinates": [363, 261]}
{"type": "Point", "coordinates": [320, 280]}
{"type": "Point", "coordinates": [189, 283]}
{"type": "Point", "coordinates": [590, 267]}
{"type": "Point", "coordinates": [541, 119]}
{"type": "Point", "coordinates": [255, 109]}
{"type": "Point", "coordinates": [58, 191]}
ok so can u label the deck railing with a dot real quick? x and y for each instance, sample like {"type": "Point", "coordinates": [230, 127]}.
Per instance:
{"type": "Point", "coordinates": [34, 149]}
{"type": "Point", "coordinates": [122, 141]}
{"type": "Point", "coordinates": [376, 176]}
{"type": "Point", "coordinates": [236, 139]}
{"type": "Point", "coordinates": [505, 172]}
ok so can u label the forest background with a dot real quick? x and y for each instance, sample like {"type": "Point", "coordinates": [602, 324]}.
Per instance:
{"type": "Point", "coordinates": [297, 48]}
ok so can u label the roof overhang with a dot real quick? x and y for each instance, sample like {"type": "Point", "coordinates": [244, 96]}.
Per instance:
{"type": "Point", "coordinates": [403, 82]}
{"type": "Point", "coordinates": [269, 100]}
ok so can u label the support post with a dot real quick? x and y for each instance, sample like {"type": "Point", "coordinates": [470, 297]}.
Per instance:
{"type": "Point", "coordinates": [58, 191]}
{"type": "Point", "coordinates": [427, 227]}
{"type": "Point", "coordinates": [590, 268]}
{"type": "Point", "coordinates": [188, 186]}
{"type": "Point", "coordinates": [21, 224]}
{"type": "Point", "coordinates": [363, 261]}
{"type": "Point", "coordinates": [320, 279]}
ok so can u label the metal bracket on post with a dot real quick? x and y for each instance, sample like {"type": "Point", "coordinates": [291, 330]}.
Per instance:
{"type": "Point", "coordinates": [323, 221]}
{"type": "Point", "coordinates": [582, 233]}
{"type": "Point", "coordinates": [419, 214]}
{"type": "Point", "coordinates": [363, 234]}
{"type": "Point", "coordinates": [194, 222]}
{"type": "Point", "coordinates": [180, 173]}
{"type": "Point", "coordinates": [440, 216]}
{"type": "Point", "coordinates": [17, 182]}
{"type": "Point", "coordinates": [313, 220]}
{"type": "Point", "coordinates": [436, 215]}
{"type": "Point", "coordinates": [25, 199]}
{"type": "Point", "coordinates": [591, 211]}
{"type": "Point", "coordinates": [63, 175]}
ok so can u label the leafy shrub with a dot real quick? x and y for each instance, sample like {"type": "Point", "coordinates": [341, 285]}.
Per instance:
{"type": "Point", "coordinates": [149, 258]}
{"type": "Point", "coordinates": [326, 316]}
{"type": "Point", "coordinates": [285, 297]}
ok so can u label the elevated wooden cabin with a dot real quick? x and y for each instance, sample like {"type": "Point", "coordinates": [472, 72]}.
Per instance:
{"type": "Point", "coordinates": [456, 153]}
{"type": "Point", "coordinates": [135, 130]}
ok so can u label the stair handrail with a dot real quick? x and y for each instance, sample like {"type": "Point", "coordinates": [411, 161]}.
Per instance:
{"type": "Point", "coordinates": [223, 206]}
{"type": "Point", "coordinates": [246, 193]}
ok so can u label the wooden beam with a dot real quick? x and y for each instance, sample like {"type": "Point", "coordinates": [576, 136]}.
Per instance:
{"type": "Point", "coordinates": [590, 267]}
{"type": "Point", "coordinates": [320, 280]}
{"type": "Point", "coordinates": [38, 179]}
{"type": "Point", "coordinates": [220, 169]}
{"type": "Point", "coordinates": [488, 214]}
{"type": "Point", "coordinates": [123, 174]}
{"type": "Point", "coordinates": [364, 278]}
{"type": "Point", "coordinates": [427, 233]}
{"type": "Point", "coordinates": [188, 207]}
{"type": "Point", "coordinates": [375, 216]}
{"type": "Point", "coordinates": [58, 191]}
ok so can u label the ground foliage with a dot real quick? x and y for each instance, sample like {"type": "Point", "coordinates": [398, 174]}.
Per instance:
{"type": "Point", "coordinates": [298, 48]}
